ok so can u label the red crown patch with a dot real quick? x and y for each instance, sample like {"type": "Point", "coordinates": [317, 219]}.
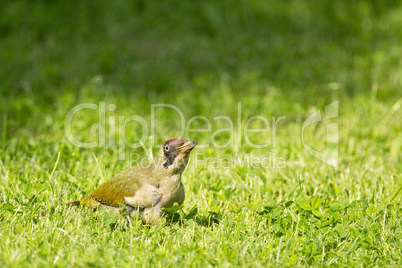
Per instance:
{"type": "Point", "coordinates": [175, 140]}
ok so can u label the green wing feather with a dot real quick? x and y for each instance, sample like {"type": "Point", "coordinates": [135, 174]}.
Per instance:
{"type": "Point", "coordinates": [124, 184]}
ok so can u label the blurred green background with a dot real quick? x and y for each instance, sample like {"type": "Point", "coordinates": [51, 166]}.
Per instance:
{"type": "Point", "coordinates": [275, 57]}
{"type": "Point", "coordinates": [143, 49]}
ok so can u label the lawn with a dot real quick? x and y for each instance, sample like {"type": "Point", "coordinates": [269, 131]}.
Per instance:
{"type": "Point", "coordinates": [296, 106]}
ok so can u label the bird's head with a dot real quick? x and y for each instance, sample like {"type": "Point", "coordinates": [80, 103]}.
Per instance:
{"type": "Point", "coordinates": [174, 154]}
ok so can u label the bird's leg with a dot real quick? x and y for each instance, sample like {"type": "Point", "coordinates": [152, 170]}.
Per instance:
{"type": "Point", "coordinates": [152, 214]}
{"type": "Point", "coordinates": [134, 213]}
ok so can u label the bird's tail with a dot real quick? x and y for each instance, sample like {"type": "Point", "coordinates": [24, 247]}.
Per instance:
{"type": "Point", "coordinates": [74, 203]}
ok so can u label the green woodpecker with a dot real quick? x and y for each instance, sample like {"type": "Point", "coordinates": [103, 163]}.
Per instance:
{"type": "Point", "coordinates": [146, 189]}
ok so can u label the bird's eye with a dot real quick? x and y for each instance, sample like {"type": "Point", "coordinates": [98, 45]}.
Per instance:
{"type": "Point", "coordinates": [167, 148]}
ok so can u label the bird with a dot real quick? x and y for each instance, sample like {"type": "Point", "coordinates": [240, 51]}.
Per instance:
{"type": "Point", "coordinates": [145, 189]}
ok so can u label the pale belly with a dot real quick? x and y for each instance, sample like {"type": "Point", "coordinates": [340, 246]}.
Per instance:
{"type": "Point", "coordinates": [171, 196]}
{"type": "Point", "coordinates": [148, 202]}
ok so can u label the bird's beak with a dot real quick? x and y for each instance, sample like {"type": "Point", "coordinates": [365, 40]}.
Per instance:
{"type": "Point", "coordinates": [188, 146]}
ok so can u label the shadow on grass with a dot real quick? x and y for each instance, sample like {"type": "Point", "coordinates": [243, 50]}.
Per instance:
{"type": "Point", "coordinates": [174, 215]}
{"type": "Point", "coordinates": [209, 220]}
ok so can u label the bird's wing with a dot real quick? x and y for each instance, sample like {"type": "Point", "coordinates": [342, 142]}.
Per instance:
{"type": "Point", "coordinates": [124, 184]}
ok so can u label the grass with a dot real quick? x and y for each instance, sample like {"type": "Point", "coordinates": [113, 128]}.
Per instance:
{"type": "Point", "coordinates": [277, 59]}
